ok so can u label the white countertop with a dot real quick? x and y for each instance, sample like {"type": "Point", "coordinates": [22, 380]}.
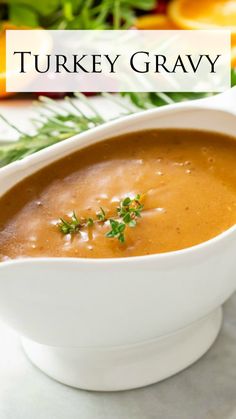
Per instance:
{"type": "Point", "coordinates": [206, 390]}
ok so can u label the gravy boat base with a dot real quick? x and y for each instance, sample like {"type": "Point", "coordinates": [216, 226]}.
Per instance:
{"type": "Point", "coordinates": [126, 367]}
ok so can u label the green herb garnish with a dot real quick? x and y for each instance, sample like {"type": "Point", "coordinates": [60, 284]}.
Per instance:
{"type": "Point", "coordinates": [71, 226]}
{"type": "Point", "coordinates": [75, 14]}
{"type": "Point", "coordinates": [90, 222]}
{"type": "Point", "coordinates": [128, 212]}
{"type": "Point", "coordinates": [117, 230]}
{"type": "Point", "coordinates": [74, 224]}
{"type": "Point", "coordinates": [56, 122]}
{"type": "Point", "coordinates": [101, 215]}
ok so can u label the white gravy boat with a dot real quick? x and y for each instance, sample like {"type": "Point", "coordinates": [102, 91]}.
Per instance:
{"type": "Point", "coordinates": [113, 324]}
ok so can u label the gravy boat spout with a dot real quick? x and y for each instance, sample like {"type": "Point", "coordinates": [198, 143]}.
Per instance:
{"type": "Point", "coordinates": [114, 324]}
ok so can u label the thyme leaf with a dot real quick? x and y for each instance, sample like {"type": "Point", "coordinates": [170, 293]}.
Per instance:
{"type": "Point", "coordinates": [71, 226]}
{"type": "Point", "coordinates": [101, 215]}
{"type": "Point", "coordinates": [117, 230]}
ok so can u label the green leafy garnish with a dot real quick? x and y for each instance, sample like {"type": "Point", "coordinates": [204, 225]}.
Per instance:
{"type": "Point", "coordinates": [101, 215]}
{"type": "Point", "coordinates": [128, 212]}
{"type": "Point", "coordinates": [90, 222]}
{"type": "Point", "coordinates": [117, 230]}
{"type": "Point", "coordinates": [56, 122]}
{"type": "Point", "coordinates": [71, 226]}
{"type": "Point", "coordinates": [76, 14]}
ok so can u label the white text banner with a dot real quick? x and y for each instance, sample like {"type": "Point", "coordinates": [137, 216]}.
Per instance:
{"type": "Point", "coordinates": [117, 61]}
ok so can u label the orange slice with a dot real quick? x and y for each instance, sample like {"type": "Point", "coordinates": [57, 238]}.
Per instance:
{"type": "Point", "coordinates": [3, 29]}
{"type": "Point", "coordinates": [233, 57]}
{"type": "Point", "coordinates": [3, 92]}
{"type": "Point", "coordinates": [41, 37]}
{"type": "Point", "coordinates": [154, 21]}
{"type": "Point", "coordinates": [204, 14]}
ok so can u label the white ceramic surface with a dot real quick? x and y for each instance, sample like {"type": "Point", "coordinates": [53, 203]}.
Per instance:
{"type": "Point", "coordinates": [106, 304]}
{"type": "Point", "coordinates": [126, 367]}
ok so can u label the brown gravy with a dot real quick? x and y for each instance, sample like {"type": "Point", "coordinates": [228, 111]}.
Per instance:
{"type": "Point", "coordinates": [187, 179]}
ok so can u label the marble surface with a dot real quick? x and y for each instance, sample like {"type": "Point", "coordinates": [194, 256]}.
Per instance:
{"type": "Point", "coordinates": [206, 390]}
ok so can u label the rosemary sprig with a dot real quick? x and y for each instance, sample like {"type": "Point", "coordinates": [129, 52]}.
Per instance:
{"type": "Point", "coordinates": [59, 121]}
{"type": "Point", "coordinates": [128, 212]}
{"type": "Point", "coordinates": [56, 122]}
{"type": "Point", "coordinates": [154, 99]}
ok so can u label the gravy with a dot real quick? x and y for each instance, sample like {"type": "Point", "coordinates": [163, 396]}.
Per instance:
{"type": "Point", "coordinates": [187, 179]}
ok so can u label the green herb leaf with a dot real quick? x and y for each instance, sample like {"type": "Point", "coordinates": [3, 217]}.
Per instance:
{"type": "Point", "coordinates": [90, 222]}
{"type": "Point", "coordinates": [130, 209]}
{"type": "Point", "coordinates": [79, 14]}
{"type": "Point", "coordinates": [42, 7]}
{"type": "Point", "coordinates": [117, 230]}
{"type": "Point", "coordinates": [54, 123]}
{"type": "Point", "coordinates": [22, 15]}
{"type": "Point", "coordinates": [71, 226]}
{"type": "Point", "coordinates": [101, 215]}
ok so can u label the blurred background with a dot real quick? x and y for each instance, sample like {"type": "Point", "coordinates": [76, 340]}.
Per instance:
{"type": "Point", "coordinates": [114, 14]}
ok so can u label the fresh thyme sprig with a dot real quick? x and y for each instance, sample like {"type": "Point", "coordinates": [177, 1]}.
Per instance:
{"type": "Point", "coordinates": [101, 215]}
{"type": "Point", "coordinates": [130, 209]}
{"type": "Point", "coordinates": [128, 212]}
{"type": "Point", "coordinates": [72, 226]}
{"type": "Point", "coordinates": [117, 230]}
